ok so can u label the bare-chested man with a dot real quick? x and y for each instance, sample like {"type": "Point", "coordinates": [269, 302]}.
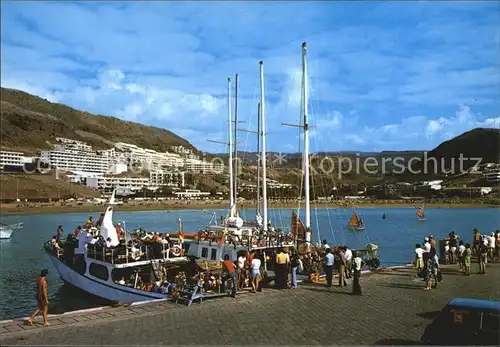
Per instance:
{"type": "Point", "coordinates": [42, 298]}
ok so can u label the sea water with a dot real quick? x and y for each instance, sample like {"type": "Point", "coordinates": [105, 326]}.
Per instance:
{"type": "Point", "coordinates": [22, 258]}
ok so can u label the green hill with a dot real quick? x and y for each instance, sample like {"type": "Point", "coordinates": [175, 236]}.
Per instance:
{"type": "Point", "coordinates": [28, 122]}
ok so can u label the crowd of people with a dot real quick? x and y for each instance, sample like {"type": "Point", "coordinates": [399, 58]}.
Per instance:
{"type": "Point", "coordinates": [486, 248]}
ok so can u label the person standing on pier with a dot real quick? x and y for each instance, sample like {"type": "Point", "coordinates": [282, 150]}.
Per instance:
{"type": "Point", "coordinates": [483, 255]}
{"type": "Point", "coordinates": [342, 267]}
{"type": "Point", "coordinates": [281, 273]}
{"type": "Point", "coordinates": [228, 266]}
{"type": "Point", "coordinates": [329, 260]}
{"type": "Point", "coordinates": [357, 266]}
{"type": "Point", "coordinates": [42, 299]}
{"type": "Point", "coordinates": [468, 254]}
{"type": "Point", "coordinates": [348, 258]}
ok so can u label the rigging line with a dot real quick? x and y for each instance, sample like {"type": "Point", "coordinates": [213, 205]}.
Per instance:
{"type": "Point", "coordinates": [322, 183]}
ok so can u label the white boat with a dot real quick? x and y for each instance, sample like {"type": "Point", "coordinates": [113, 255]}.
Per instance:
{"type": "Point", "coordinates": [98, 270]}
{"type": "Point", "coordinates": [234, 234]}
{"type": "Point", "coordinates": [7, 230]}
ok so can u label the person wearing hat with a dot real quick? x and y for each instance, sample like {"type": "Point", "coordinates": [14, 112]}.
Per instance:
{"type": "Point", "coordinates": [357, 266]}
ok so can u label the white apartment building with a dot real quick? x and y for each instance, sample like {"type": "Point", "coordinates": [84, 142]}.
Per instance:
{"type": "Point", "coordinates": [203, 166]}
{"type": "Point", "coordinates": [73, 160]}
{"type": "Point", "coordinates": [152, 158]}
{"type": "Point", "coordinates": [8, 158]}
{"type": "Point", "coordinates": [132, 184]}
{"type": "Point", "coordinates": [492, 175]}
{"type": "Point", "coordinates": [74, 144]}
{"type": "Point", "coordinates": [160, 178]}
{"type": "Point", "coordinates": [191, 194]}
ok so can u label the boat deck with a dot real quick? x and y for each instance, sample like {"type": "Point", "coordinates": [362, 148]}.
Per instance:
{"type": "Point", "coordinates": [394, 309]}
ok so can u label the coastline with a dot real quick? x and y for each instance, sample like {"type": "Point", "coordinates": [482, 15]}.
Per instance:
{"type": "Point", "coordinates": [35, 209]}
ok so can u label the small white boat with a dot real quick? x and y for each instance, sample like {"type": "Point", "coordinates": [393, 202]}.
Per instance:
{"type": "Point", "coordinates": [7, 230]}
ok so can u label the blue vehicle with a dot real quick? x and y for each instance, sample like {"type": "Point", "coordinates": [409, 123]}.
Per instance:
{"type": "Point", "coordinates": [465, 321]}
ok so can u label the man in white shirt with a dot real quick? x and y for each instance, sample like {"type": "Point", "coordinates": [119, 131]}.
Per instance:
{"type": "Point", "coordinates": [329, 260]}
{"type": "Point", "coordinates": [427, 245]}
{"type": "Point", "coordinates": [348, 258]}
{"type": "Point", "coordinates": [419, 261]}
{"type": "Point", "coordinates": [491, 247]}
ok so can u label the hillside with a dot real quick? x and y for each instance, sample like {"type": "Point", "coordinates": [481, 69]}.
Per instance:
{"type": "Point", "coordinates": [477, 143]}
{"type": "Point", "coordinates": [28, 122]}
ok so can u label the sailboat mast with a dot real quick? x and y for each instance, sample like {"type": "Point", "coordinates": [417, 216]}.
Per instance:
{"type": "Point", "coordinates": [263, 151]}
{"type": "Point", "coordinates": [235, 143]}
{"type": "Point", "coordinates": [230, 143]}
{"type": "Point", "coordinates": [306, 143]}
{"type": "Point", "coordinates": [258, 163]}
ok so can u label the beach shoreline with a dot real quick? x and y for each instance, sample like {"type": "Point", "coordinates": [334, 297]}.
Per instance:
{"type": "Point", "coordinates": [36, 209]}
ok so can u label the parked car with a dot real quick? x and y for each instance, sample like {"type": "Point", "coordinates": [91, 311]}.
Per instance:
{"type": "Point", "coordinates": [465, 321]}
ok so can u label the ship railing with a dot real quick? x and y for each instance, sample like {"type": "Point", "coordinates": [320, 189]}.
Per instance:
{"type": "Point", "coordinates": [125, 255]}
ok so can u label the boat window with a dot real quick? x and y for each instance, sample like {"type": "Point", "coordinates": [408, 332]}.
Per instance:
{"type": "Point", "coordinates": [80, 265]}
{"type": "Point", "coordinates": [204, 252]}
{"type": "Point", "coordinates": [213, 254]}
{"type": "Point", "coordinates": [491, 322]}
{"type": "Point", "coordinates": [99, 271]}
{"type": "Point", "coordinates": [186, 247]}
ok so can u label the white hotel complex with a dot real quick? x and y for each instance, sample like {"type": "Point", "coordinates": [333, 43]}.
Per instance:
{"type": "Point", "coordinates": [97, 169]}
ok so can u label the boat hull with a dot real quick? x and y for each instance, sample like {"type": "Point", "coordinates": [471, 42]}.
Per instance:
{"type": "Point", "coordinates": [356, 229]}
{"type": "Point", "coordinates": [104, 289]}
{"type": "Point", "coordinates": [5, 233]}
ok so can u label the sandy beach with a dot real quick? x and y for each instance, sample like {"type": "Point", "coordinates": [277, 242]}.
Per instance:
{"type": "Point", "coordinates": [47, 208]}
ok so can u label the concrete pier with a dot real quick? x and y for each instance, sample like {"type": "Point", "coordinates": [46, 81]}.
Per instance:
{"type": "Point", "coordinates": [394, 310]}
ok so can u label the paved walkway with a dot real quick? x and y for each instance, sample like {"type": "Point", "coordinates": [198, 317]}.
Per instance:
{"type": "Point", "coordinates": [394, 309]}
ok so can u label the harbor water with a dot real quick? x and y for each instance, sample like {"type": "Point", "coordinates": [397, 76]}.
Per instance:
{"type": "Point", "coordinates": [22, 258]}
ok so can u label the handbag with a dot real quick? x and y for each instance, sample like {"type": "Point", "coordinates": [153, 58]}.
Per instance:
{"type": "Point", "coordinates": [439, 276]}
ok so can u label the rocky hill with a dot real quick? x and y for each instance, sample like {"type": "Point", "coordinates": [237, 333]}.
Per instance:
{"type": "Point", "coordinates": [28, 122]}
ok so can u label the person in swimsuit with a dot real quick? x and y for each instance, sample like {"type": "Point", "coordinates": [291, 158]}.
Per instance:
{"type": "Point", "coordinates": [42, 299]}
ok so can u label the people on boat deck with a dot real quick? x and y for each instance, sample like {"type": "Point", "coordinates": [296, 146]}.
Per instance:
{"type": "Point", "coordinates": [77, 231]}
{"type": "Point", "coordinates": [55, 244]}
{"type": "Point", "coordinates": [90, 223]}
{"type": "Point", "coordinates": [118, 229]}
{"type": "Point", "coordinates": [228, 266]}
{"type": "Point", "coordinates": [325, 244]}
{"type": "Point", "coordinates": [59, 233]}
{"type": "Point", "coordinates": [122, 281]}
{"type": "Point", "coordinates": [100, 220]}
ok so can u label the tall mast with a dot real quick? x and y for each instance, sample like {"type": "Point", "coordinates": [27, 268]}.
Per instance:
{"type": "Point", "coordinates": [263, 152]}
{"type": "Point", "coordinates": [258, 161]}
{"type": "Point", "coordinates": [235, 143]}
{"type": "Point", "coordinates": [230, 161]}
{"type": "Point", "coordinates": [305, 102]}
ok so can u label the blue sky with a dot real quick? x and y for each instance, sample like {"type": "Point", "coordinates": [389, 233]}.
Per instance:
{"type": "Point", "coordinates": [383, 76]}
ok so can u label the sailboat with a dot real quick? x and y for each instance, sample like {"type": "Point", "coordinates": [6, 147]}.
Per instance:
{"type": "Point", "coordinates": [235, 235]}
{"type": "Point", "coordinates": [356, 223]}
{"type": "Point", "coordinates": [421, 214]}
